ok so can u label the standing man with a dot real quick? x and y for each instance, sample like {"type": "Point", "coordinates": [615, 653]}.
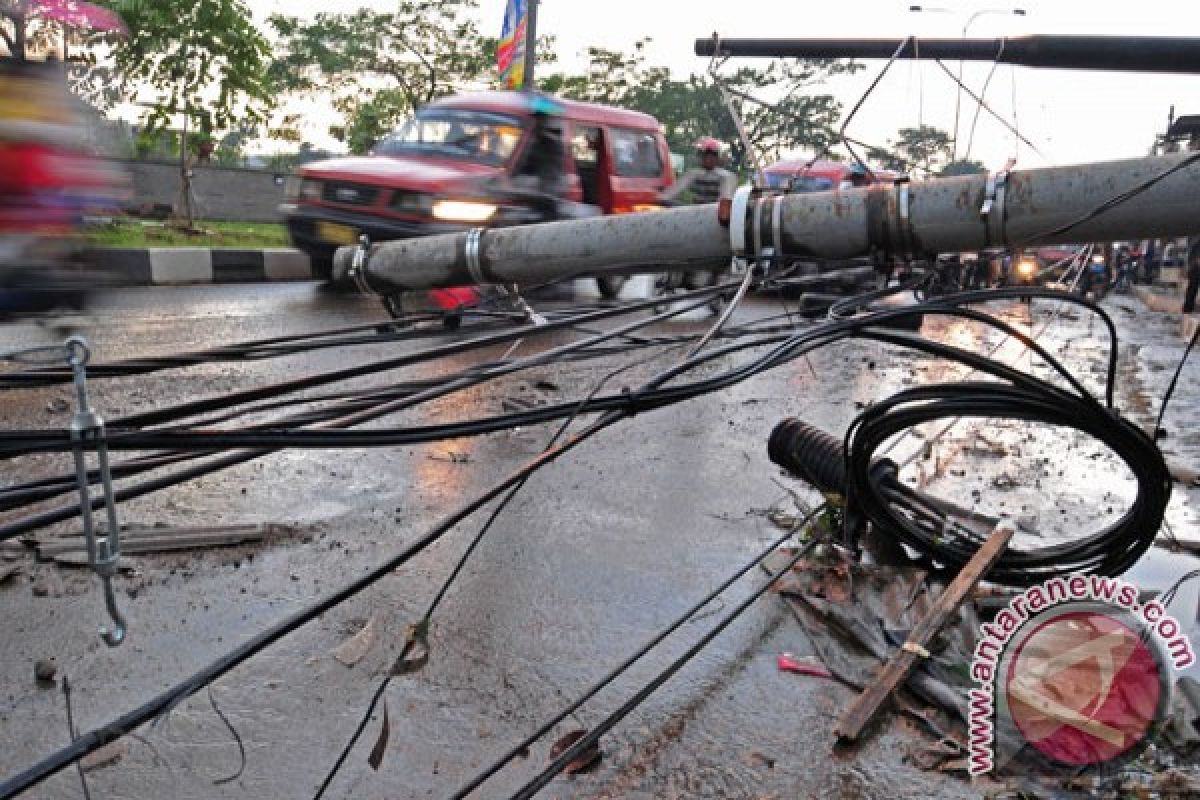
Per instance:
{"type": "Point", "coordinates": [1193, 273]}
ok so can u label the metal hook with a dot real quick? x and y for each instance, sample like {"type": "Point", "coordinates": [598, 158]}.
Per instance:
{"type": "Point", "coordinates": [87, 426]}
{"type": "Point", "coordinates": [358, 265]}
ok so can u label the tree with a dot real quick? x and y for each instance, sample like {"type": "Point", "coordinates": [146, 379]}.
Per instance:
{"type": "Point", "coordinates": [923, 148]}
{"type": "Point", "coordinates": [962, 167]}
{"type": "Point", "coordinates": [693, 107]}
{"type": "Point", "coordinates": [381, 66]}
{"type": "Point", "coordinates": [203, 65]}
{"type": "Point", "coordinates": [886, 159]}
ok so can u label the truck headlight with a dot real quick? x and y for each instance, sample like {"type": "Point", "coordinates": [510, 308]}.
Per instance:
{"type": "Point", "coordinates": [463, 211]}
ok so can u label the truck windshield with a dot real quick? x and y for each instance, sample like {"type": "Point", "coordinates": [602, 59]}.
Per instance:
{"type": "Point", "coordinates": [477, 136]}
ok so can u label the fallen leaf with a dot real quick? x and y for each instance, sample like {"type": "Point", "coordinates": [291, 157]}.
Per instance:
{"type": "Point", "coordinates": [376, 757]}
{"type": "Point", "coordinates": [110, 753]}
{"type": "Point", "coordinates": [586, 760]}
{"type": "Point", "coordinates": [351, 651]}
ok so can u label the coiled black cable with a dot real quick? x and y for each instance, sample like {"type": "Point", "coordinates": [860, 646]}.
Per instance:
{"type": "Point", "coordinates": [1110, 551]}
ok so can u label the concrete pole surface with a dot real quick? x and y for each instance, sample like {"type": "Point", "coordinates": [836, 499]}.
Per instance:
{"type": "Point", "coordinates": [914, 219]}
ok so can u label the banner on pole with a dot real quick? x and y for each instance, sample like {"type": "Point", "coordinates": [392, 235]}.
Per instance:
{"type": "Point", "coordinates": [510, 54]}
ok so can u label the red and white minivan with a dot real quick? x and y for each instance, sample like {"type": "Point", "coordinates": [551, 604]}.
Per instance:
{"type": "Point", "coordinates": [432, 175]}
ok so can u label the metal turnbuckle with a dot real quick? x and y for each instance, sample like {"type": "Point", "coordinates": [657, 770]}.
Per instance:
{"type": "Point", "coordinates": [358, 265]}
{"type": "Point", "coordinates": [87, 428]}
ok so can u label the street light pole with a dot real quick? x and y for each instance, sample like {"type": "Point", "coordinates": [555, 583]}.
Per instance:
{"type": "Point", "coordinates": [530, 44]}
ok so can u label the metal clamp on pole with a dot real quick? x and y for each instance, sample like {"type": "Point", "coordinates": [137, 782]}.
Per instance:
{"type": "Point", "coordinates": [88, 428]}
{"type": "Point", "coordinates": [737, 226]}
{"type": "Point", "coordinates": [471, 248]}
{"type": "Point", "coordinates": [358, 266]}
{"type": "Point", "coordinates": [992, 211]}
{"type": "Point", "coordinates": [904, 218]}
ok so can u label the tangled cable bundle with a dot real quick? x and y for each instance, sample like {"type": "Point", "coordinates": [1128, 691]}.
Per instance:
{"type": "Point", "coordinates": [1109, 551]}
{"type": "Point", "coordinates": [180, 434]}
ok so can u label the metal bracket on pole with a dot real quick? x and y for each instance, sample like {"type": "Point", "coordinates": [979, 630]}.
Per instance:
{"type": "Point", "coordinates": [358, 266]}
{"type": "Point", "coordinates": [523, 306]}
{"type": "Point", "coordinates": [737, 220]}
{"type": "Point", "coordinates": [88, 428]}
{"type": "Point", "coordinates": [992, 211]}
{"type": "Point", "coordinates": [471, 250]}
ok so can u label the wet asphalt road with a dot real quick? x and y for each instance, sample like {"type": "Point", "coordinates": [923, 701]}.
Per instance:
{"type": "Point", "coordinates": [596, 554]}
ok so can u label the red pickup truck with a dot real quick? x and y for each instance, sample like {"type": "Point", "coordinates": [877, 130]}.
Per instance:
{"type": "Point", "coordinates": [433, 174]}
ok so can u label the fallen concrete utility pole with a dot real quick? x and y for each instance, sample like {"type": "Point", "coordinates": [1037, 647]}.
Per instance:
{"type": "Point", "coordinates": [1175, 54]}
{"type": "Point", "coordinates": [1132, 199]}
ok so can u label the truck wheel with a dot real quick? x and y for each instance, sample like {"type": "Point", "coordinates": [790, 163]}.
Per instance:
{"type": "Point", "coordinates": [610, 285]}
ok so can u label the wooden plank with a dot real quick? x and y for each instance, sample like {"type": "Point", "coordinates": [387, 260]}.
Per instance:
{"type": "Point", "coordinates": [165, 541]}
{"type": "Point", "coordinates": [898, 668]}
{"type": "Point", "coordinates": [134, 533]}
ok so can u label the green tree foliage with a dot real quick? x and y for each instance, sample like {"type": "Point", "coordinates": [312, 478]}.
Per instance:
{"type": "Point", "coordinates": [962, 167]}
{"type": "Point", "coordinates": [924, 150]}
{"type": "Point", "coordinates": [200, 65]}
{"type": "Point", "coordinates": [380, 66]}
{"type": "Point", "coordinates": [201, 61]}
{"type": "Point", "coordinates": [693, 107]}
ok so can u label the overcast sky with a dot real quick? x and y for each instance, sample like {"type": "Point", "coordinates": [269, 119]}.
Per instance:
{"type": "Point", "coordinates": [1071, 116]}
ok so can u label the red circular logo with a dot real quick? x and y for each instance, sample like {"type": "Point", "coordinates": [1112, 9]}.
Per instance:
{"type": "Point", "coordinates": [1085, 687]}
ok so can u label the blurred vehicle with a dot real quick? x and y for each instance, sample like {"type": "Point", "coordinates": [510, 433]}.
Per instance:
{"type": "Point", "coordinates": [1053, 254]}
{"type": "Point", "coordinates": [47, 183]}
{"type": "Point", "coordinates": [804, 175]}
{"type": "Point", "coordinates": [451, 168]}
{"type": "Point", "coordinates": [1024, 269]}
{"type": "Point", "coordinates": [1095, 277]}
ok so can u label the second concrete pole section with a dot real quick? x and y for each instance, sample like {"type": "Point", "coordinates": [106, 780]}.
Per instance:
{"type": "Point", "coordinates": [936, 216]}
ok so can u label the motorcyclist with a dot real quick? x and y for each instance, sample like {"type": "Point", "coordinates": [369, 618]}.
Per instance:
{"type": "Point", "coordinates": [41, 178]}
{"type": "Point", "coordinates": [707, 183]}
{"type": "Point", "coordinates": [856, 176]}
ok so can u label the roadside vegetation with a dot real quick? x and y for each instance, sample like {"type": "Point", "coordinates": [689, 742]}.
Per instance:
{"type": "Point", "coordinates": [137, 233]}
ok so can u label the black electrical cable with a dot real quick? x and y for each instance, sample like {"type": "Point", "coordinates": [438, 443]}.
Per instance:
{"type": "Point", "coordinates": [1162, 409]}
{"type": "Point", "coordinates": [1110, 551]}
{"type": "Point", "coordinates": [1117, 200]}
{"type": "Point", "coordinates": [400, 330]}
{"type": "Point", "coordinates": [350, 401]}
{"type": "Point", "coordinates": [31, 522]}
{"type": "Point", "coordinates": [99, 737]}
{"type": "Point", "coordinates": [232, 399]}
{"type": "Point", "coordinates": [654, 390]}
{"type": "Point", "coordinates": [624, 666]}
{"type": "Point", "coordinates": [590, 739]}
{"type": "Point", "coordinates": [454, 573]}
{"type": "Point", "coordinates": [648, 400]}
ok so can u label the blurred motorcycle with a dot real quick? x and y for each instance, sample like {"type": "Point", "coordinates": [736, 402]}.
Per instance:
{"type": "Point", "coordinates": [47, 182]}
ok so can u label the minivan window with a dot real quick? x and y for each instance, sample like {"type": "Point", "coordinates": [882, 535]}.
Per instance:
{"type": "Point", "coordinates": [635, 154]}
{"type": "Point", "coordinates": [481, 137]}
{"type": "Point", "coordinates": [811, 183]}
